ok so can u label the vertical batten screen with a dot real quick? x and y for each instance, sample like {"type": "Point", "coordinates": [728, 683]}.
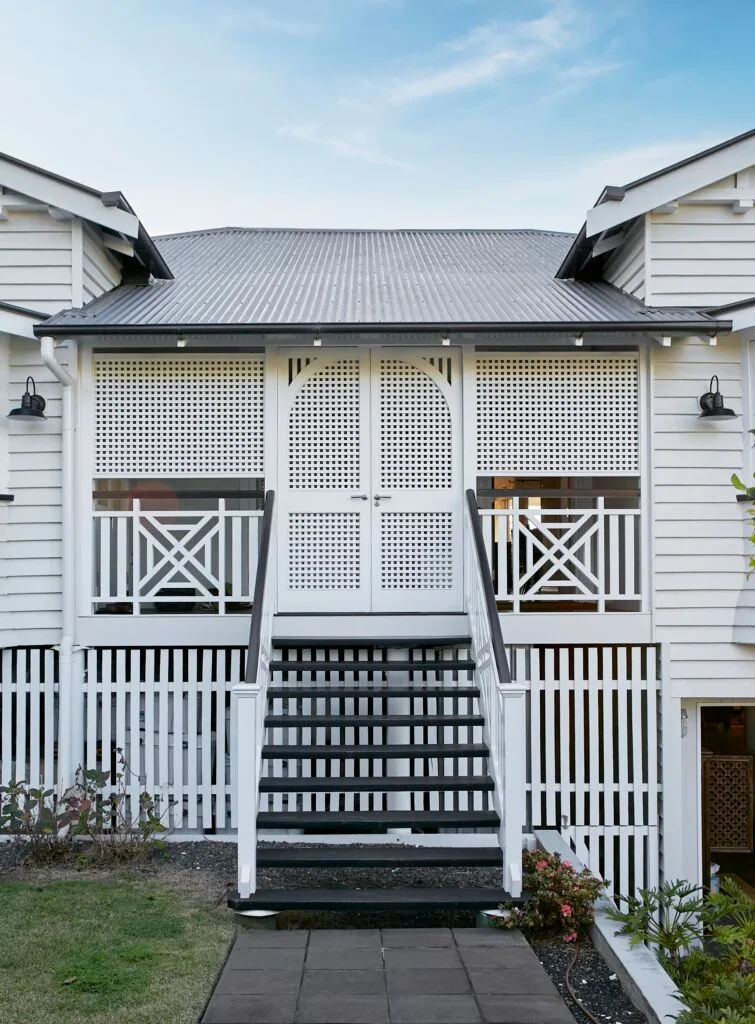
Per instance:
{"type": "Point", "coordinates": [593, 762]}
{"type": "Point", "coordinates": [167, 712]}
{"type": "Point", "coordinates": [558, 414]}
{"type": "Point", "coordinates": [28, 716]}
{"type": "Point", "coordinates": [188, 415]}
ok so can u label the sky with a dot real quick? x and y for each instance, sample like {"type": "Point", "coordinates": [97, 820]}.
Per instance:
{"type": "Point", "coordinates": [370, 113]}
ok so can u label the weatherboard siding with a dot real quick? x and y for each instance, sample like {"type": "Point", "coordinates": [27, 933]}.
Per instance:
{"type": "Point", "coordinates": [626, 267]}
{"type": "Point", "coordinates": [35, 261]}
{"type": "Point", "coordinates": [699, 528]}
{"type": "Point", "coordinates": [31, 603]}
{"type": "Point", "coordinates": [702, 254]}
{"type": "Point", "coordinates": [101, 271]}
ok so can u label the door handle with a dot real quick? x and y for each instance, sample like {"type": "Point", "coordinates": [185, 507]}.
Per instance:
{"type": "Point", "coordinates": [359, 497]}
{"type": "Point", "coordinates": [382, 497]}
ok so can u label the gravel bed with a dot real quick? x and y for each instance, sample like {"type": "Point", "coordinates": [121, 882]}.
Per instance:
{"type": "Point", "coordinates": [596, 986]}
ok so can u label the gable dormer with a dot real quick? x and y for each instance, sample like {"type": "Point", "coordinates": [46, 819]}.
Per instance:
{"type": "Point", "coordinates": [684, 236]}
{"type": "Point", "coordinates": [63, 244]}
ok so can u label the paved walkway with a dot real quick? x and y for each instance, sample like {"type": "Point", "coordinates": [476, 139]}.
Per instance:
{"type": "Point", "coordinates": [388, 976]}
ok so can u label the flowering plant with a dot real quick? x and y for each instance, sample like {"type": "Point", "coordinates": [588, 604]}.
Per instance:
{"type": "Point", "coordinates": [560, 897]}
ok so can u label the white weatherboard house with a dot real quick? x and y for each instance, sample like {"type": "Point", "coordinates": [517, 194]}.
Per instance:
{"type": "Point", "coordinates": [416, 538]}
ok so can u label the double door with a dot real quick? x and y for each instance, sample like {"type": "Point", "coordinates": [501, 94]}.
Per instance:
{"type": "Point", "coordinates": [369, 480]}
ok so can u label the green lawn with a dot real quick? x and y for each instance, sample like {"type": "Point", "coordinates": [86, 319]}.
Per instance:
{"type": "Point", "coordinates": [115, 952]}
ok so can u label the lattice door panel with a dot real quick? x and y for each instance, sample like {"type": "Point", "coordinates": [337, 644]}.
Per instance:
{"type": "Point", "coordinates": [415, 428]}
{"type": "Point", "coordinates": [324, 551]}
{"type": "Point", "coordinates": [323, 423]}
{"type": "Point", "coordinates": [187, 415]}
{"type": "Point", "coordinates": [416, 551]}
{"type": "Point", "coordinates": [325, 429]}
{"type": "Point", "coordinates": [557, 414]}
{"type": "Point", "coordinates": [728, 796]}
{"type": "Point", "coordinates": [416, 476]}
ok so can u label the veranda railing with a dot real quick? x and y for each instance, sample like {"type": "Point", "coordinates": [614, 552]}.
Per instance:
{"type": "Point", "coordinates": [564, 555]}
{"type": "Point", "coordinates": [503, 702]}
{"type": "Point", "coordinates": [249, 707]}
{"type": "Point", "coordinates": [147, 561]}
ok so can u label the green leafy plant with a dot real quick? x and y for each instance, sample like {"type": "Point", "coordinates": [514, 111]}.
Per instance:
{"type": "Point", "coordinates": [561, 898]}
{"type": "Point", "coordinates": [119, 824]}
{"type": "Point", "coordinates": [667, 919]}
{"type": "Point", "coordinates": [705, 942]}
{"type": "Point", "coordinates": [38, 818]}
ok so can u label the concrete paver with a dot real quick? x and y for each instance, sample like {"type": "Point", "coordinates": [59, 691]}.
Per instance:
{"type": "Point", "coordinates": [393, 976]}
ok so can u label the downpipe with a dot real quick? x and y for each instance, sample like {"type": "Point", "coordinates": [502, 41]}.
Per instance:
{"type": "Point", "coordinates": [70, 682]}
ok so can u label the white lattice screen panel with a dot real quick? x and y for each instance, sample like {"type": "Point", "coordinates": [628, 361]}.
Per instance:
{"type": "Point", "coordinates": [324, 551]}
{"type": "Point", "coordinates": [552, 414]}
{"type": "Point", "coordinates": [416, 551]}
{"type": "Point", "coordinates": [415, 429]}
{"type": "Point", "coordinates": [196, 415]}
{"type": "Point", "coordinates": [324, 435]}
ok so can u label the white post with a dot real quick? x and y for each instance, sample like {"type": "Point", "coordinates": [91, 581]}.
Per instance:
{"type": "Point", "coordinates": [672, 778]}
{"type": "Point", "coordinates": [513, 710]}
{"type": "Point", "coordinates": [245, 759]}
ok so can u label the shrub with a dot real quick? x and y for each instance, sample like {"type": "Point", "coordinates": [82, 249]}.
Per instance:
{"type": "Point", "coordinates": [118, 827]}
{"type": "Point", "coordinates": [705, 942]}
{"type": "Point", "coordinates": [561, 899]}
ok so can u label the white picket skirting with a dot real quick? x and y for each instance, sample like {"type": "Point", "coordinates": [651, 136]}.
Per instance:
{"type": "Point", "coordinates": [168, 710]}
{"type": "Point", "coordinates": [146, 556]}
{"type": "Point", "coordinates": [28, 716]}
{"type": "Point", "coordinates": [564, 555]}
{"type": "Point", "coordinates": [594, 769]}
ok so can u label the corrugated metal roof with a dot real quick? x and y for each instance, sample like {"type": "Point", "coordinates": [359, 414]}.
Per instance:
{"type": "Point", "coordinates": [271, 277]}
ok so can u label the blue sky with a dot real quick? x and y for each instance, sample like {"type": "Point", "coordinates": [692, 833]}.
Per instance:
{"type": "Point", "coordinates": [370, 113]}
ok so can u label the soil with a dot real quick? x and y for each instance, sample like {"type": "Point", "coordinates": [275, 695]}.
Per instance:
{"type": "Point", "coordinates": [206, 871]}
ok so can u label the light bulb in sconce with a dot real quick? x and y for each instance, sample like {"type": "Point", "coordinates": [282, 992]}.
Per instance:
{"type": "Point", "coordinates": [445, 340]}
{"type": "Point", "coordinates": [579, 340]}
{"type": "Point", "coordinates": [317, 340]}
{"type": "Point", "coordinates": [181, 342]}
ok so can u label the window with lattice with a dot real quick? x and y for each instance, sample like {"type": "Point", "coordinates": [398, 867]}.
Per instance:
{"type": "Point", "coordinates": [557, 413]}
{"type": "Point", "coordinates": [193, 414]}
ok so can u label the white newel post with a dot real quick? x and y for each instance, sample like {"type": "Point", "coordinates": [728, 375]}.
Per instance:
{"type": "Point", "coordinates": [513, 713]}
{"type": "Point", "coordinates": [245, 703]}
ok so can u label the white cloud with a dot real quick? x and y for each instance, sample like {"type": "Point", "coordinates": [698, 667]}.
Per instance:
{"type": "Point", "coordinates": [354, 146]}
{"type": "Point", "coordinates": [490, 51]}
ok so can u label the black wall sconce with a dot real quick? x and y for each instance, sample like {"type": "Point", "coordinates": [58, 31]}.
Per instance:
{"type": "Point", "coordinates": [712, 403]}
{"type": "Point", "coordinates": [32, 405]}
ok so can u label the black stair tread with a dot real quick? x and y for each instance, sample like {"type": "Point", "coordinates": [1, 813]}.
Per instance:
{"type": "Point", "coordinates": [384, 784]}
{"type": "Point", "coordinates": [359, 821]}
{"type": "Point", "coordinates": [373, 690]}
{"type": "Point", "coordinates": [370, 899]}
{"type": "Point", "coordinates": [420, 665]}
{"type": "Point", "coordinates": [380, 856]}
{"type": "Point", "coordinates": [374, 721]}
{"type": "Point", "coordinates": [409, 750]}
{"type": "Point", "coordinates": [371, 643]}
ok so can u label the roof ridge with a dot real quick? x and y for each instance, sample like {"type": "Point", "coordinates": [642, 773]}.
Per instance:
{"type": "Point", "coordinates": [367, 231]}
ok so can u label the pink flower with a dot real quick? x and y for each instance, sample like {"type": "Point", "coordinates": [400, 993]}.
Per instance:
{"type": "Point", "coordinates": [566, 863]}
{"type": "Point", "coordinates": [566, 910]}
{"type": "Point", "coordinates": [570, 936]}
{"type": "Point", "coordinates": [541, 865]}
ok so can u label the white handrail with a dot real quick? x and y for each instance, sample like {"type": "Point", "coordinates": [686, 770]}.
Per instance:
{"type": "Point", "coordinates": [249, 707]}
{"type": "Point", "coordinates": [503, 702]}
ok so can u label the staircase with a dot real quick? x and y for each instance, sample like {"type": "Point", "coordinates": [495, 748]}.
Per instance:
{"type": "Point", "coordinates": [363, 738]}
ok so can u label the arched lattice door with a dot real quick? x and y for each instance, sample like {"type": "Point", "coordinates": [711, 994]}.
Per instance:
{"type": "Point", "coordinates": [370, 481]}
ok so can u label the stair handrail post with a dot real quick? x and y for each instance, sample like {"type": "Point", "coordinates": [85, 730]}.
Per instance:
{"type": "Point", "coordinates": [503, 701]}
{"type": "Point", "coordinates": [249, 706]}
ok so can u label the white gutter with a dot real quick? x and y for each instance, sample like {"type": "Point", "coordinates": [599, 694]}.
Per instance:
{"type": "Point", "coordinates": [69, 688]}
